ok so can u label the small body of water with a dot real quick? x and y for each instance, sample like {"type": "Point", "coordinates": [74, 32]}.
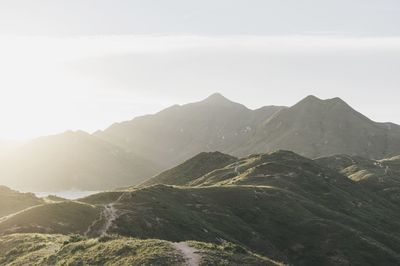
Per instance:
{"type": "Point", "coordinates": [70, 194]}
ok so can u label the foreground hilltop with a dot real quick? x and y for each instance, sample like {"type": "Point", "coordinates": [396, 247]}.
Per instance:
{"type": "Point", "coordinates": [41, 249]}
{"type": "Point", "coordinates": [279, 205]}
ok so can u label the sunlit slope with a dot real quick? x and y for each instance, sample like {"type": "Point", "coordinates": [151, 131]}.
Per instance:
{"type": "Point", "coordinates": [12, 201]}
{"type": "Point", "coordinates": [379, 176]}
{"type": "Point", "coordinates": [72, 160]}
{"type": "Point", "coordinates": [63, 217]}
{"type": "Point", "coordinates": [38, 249]}
{"type": "Point", "coordinates": [192, 169]}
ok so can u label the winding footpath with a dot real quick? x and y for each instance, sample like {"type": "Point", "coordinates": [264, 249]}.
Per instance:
{"type": "Point", "coordinates": [189, 253]}
{"type": "Point", "coordinates": [108, 216]}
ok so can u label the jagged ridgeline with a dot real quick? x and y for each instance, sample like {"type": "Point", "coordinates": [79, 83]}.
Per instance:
{"type": "Point", "coordinates": [216, 209]}
{"type": "Point", "coordinates": [128, 153]}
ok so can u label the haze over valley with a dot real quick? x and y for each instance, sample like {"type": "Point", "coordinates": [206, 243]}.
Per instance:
{"type": "Point", "coordinates": [127, 153]}
{"type": "Point", "coordinates": [198, 133]}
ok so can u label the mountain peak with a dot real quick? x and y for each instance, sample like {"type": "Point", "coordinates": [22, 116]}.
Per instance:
{"type": "Point", "coordinates": [311, 98]}
{"type": "Point", "coordinates": [315, 101]}
{"type": "Point", "coordinates": [216, 98]}
{"type": "Point", "coordinates": [336, 100]}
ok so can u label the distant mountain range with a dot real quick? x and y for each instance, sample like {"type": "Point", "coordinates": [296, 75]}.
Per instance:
{"type": "Point", "coordinates": [180, 132]}
{"type": "Point", "coordinates": [129, 152]}
{"type": "Point", "coordinates": [312, 127]}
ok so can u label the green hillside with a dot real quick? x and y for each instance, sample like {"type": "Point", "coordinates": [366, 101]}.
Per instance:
{"type": "Point", "coordinates": [38, 249]}
{"type": "Point", "coordinates": [192, 169]}
{"type": "Point", "coordinates": [62, 217]}
{"type": "Point", "coordinates": [280, 205]}
{"type": "Point", "coordinates": [379, 176]}
{"type": "Point", "coordinates": [12, 201]}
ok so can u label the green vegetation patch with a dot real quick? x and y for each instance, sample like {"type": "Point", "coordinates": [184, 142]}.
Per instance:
{"type": "Point", "coordinates": [63, 218]}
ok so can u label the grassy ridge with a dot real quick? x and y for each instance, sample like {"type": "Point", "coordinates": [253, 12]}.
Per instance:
{"type": "Point", "coordinates": [192, 169]}
{"type": "Point", "coordinates": [274, 222]}
{"type": "Point", "coordinates": [280, 205]}
{"type": "Point", "coordinates": [379, 176]}
{"type": "Point", "coordinates": [40, 249]}
{"type": "Point", "coordinates": [63, 217]}
{"type": "Point", "coordinates": [13, 201]}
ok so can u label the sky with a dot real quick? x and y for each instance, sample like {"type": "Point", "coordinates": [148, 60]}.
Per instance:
{"type": "Point", "coordinates": [85, 64]}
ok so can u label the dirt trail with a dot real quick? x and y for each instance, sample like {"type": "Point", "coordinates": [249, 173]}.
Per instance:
{"type": "Point", "coordinates": [4, 218]}
{"type": "Point", "coordinates": [108, 216]}
{"type": "Point", "coordinates": [189, 253]}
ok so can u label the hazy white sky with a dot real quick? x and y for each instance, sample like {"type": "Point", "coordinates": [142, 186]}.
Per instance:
{"type": "Point", "coordinates": [84, 64]}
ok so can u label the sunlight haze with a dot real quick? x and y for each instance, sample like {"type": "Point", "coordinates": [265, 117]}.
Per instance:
{"type": "Point", "coordinates": [192, 133]}
{"type": "Point", "coordinates": [57, 76]}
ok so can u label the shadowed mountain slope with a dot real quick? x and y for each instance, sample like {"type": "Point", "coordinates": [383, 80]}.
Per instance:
{"type": "Point", "coordinates": [129, 152]}
{"type": "Point", "coordinates": [180, 132]}
{"type": "Point", "coordinates": [313, 128]}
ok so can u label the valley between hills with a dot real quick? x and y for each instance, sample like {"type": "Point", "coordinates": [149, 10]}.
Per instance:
{"type": "Point", "coordinates": [210, 183]}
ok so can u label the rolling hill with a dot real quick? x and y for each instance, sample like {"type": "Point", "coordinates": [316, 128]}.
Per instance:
{"type": "Point", "coordinates": [41, 249]}
{"type": "Point", "coordinates": [280, 205]}
{"type": "Point", "coordinates": [378, 176]}
{"type": "Point", "coordinates": [12, 201]}
{"type": "Point", "coordinates": [60, 217]}
{"type": "Point", "coordinates": [191, 169]}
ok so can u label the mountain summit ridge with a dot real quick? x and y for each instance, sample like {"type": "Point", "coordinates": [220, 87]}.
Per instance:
{"type": "Point", "coordinates": [216, 98]}
{"type": "Point", "coordinates": [312, 127]}
{"type": "Point", "coordinates": [312, 100]}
